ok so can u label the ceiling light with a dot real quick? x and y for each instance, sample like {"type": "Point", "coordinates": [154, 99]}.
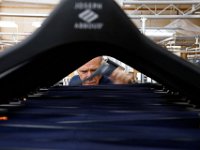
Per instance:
{"type": "Point", "coordinates": [174, 47]}
{"type": "Point", "coordinates": [162, 33]}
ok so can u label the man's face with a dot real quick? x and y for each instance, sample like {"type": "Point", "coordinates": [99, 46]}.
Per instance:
{"type": "Point", "coordinates": [88, 69]}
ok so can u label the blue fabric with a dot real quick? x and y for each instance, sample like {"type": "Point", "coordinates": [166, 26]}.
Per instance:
{"type": "Point", "coordinates": [114, 117]}
{"type": "Point", "coordinates": [76, 79]}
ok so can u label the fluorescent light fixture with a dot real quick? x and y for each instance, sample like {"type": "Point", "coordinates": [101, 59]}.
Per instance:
{"type": "Point", "coordinates": [174, 47]}
{"type": "Point", "coordinates": [160, 32]}
{"type": "Point", "coordinates": [8, 24]}
{"type": "Point", "coordinates": [36, 24]}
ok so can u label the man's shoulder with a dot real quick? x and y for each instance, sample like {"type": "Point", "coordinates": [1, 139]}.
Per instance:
{"type": "Point", "coordinates": [105, 80]}
{"type": "Point", "coordinates": [74, 80]}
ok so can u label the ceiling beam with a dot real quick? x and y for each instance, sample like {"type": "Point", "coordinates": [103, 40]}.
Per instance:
{"type": "Point", "coordinates": [41, 2]}
{"type": "Point", "coordinates": [5, 14]}
{"type": "Point", "coordinates": [135, 2]}
{"type": "Point", "coordinates": [132, 16]}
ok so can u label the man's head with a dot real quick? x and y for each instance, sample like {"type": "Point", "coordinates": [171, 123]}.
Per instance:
{"type": "Point", "coordinates": [88, 69]}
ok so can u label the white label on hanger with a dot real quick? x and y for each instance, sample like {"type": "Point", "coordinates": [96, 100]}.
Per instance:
{"type": "Point", "coordinates": [88, 16]}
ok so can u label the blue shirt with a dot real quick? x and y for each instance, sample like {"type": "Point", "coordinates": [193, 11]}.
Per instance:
{"type": "Point", "coordinates": [75, 80]}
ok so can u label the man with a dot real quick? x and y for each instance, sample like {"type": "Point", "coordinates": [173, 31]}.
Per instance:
{"type": "Point", "coordinates": [112, 74]}
{"type": "Point", "coordinates": [85, 71]}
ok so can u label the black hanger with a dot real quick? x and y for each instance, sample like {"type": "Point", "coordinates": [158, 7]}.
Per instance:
{"type": "Point", "coordinates": [79, 30]}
